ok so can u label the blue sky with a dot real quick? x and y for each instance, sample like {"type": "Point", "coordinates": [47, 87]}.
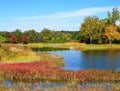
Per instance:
{"type": "Point", "coordinates": [51, 14]}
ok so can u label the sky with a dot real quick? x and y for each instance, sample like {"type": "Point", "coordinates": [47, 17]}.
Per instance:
{"type": "Point", "coordinates": [51, 14]}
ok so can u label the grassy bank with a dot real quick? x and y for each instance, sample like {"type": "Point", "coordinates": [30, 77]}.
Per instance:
{"type": "Point", "coordinates": [10, 53]}
{"type": "Point", "coordinates": [77, 46]}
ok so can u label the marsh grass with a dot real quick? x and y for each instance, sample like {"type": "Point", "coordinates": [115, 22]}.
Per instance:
{"type": "Point", "coordinates": [16, 53]}
{"type": "Point", "coordinates": [76, 46]}
{"type": "Point", "coordinates": [21, 53]}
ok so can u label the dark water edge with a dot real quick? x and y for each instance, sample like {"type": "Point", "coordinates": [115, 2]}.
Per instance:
{"type": "Point", "coordinates": [45, 49]}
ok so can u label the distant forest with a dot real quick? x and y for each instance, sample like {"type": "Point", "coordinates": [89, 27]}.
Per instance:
{"type": "Point", "coordinates": [45, 36]}
{"type": "Point", "coordinates": [92, 31]}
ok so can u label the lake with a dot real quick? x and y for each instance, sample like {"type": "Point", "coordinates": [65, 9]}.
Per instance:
{"type": "Point", "coordinates": [102, 59]}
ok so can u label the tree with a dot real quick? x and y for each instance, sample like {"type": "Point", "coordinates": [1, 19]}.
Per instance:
{"type": "Point", "coordinates": [61, 37]}
{"type": "Point", "coordinates": [33, 36]}
{"type": "Point", "coordinates": [89, 29]}
{"type": "Point", "coordinates": [18, 35]}
{"type": "Point", "coordinates": [46, 35]}
{"type": "Point", "coordinates": [74, 35]}
{"type": "Point", "coordinates": [13, 39]}
{"type": "Point", "coordinates": [113, 17]}
{"type": "Point", "coordinates": [111, 33]}
{"type": "Point", "coordinates": [101, 32]}
{"type": "Point", "coordinates": [25, 39]}
{"type": "Point", "coordinates": [51, 36]}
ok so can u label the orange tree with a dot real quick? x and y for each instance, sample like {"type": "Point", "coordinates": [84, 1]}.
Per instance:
{"type": "Point", "coordinates": [111, 33]}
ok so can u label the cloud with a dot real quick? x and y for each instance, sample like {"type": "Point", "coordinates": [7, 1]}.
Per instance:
{"type": "Point", "coordinates": [70, 14]}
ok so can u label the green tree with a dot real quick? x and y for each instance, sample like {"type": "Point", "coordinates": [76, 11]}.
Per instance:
{"type": "Point", "coordinates": [33, 36]}
{"type": "Point", "coordinates": [46, 35]}
{"type": "Point", "coordinates": [18, 35]}
{"type": "Point", "coordinates": [101, 31]}
{"type": "Point", "coordinates": [89, 29]}
{"type": "Point", "coordinates": [74, 35]}
{"type": "Point", "coordinates": [113, 17]}
{"type": "Point", "coordinates": [62, 37]}
{"type": "Point", "coordinates": [51, 36]}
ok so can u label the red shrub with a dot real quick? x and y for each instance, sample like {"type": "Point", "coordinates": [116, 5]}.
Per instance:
{"type": "Point", "coordinates": [25, 39]}
{"type": "Point", "coordinates": [13, 39]}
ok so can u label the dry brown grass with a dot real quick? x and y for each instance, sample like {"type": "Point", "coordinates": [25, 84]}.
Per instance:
{"type": "Point", "coordinates": [21, 53]}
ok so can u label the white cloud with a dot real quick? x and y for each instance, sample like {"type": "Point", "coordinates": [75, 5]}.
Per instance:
{"type": "Point", "coordinates": [70, 14]}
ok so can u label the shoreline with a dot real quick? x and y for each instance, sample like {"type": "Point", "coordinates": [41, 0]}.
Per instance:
{"type": "Point", "coordinates": [76, 46]}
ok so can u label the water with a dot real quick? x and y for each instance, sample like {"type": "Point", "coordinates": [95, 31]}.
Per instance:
{"type": "Point", "coordinates": [78, 60]}
{"type": "Point", "coordinates": [31, 86]}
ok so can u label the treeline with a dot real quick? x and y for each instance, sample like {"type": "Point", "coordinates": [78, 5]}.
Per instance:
{"type": "Point", "coordinates": [45, 36]}
{"type": "Point", "coordinates": [99, 31]}
{"type": "Point", "coordinates": [92, 31]}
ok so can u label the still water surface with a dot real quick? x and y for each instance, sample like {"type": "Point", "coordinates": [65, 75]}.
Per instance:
{"type": "Point", "coordinates": [77, 60]}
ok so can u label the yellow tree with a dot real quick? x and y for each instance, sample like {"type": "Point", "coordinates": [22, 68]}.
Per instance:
{"type": "Point", "coordinates": [111, 33]}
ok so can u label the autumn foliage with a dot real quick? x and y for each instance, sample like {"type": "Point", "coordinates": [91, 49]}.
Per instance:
{"type": "Point", "coordinates": [111, 33]}
{"type": "Point", "coordinates": [25, 39]}
{"type": "Point", "coordinates": [13, 39]}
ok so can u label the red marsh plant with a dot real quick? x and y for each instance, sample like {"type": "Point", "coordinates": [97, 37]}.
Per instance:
{"type": "Point", "coordinates": [45, 72]}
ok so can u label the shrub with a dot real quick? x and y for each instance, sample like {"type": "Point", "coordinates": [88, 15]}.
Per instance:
{"type": "Point", "coordinates": [13, 39]}
{"type": "Point", "coordinates": [25, 39]}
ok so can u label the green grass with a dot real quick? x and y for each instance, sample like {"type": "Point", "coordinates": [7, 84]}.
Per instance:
{"type": "Point", "coordinates": [76, 46]}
